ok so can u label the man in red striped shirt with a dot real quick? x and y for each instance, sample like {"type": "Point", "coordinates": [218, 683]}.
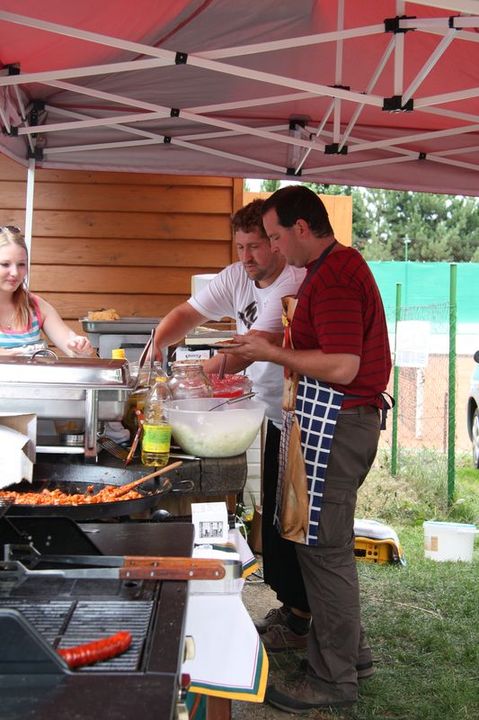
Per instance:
{"type": "Point", "coordinates": [339, 353]}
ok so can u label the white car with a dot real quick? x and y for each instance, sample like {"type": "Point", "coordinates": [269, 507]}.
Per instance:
{"type": "Point", "coordinates": [473, 412]}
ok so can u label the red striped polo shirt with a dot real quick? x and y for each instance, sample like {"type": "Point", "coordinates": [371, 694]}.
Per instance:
{"type": "Point", "coordinates": [340, 311]}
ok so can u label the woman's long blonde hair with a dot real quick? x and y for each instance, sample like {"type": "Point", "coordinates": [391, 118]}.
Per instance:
{"type": "Point", "coordinates": [21, 299]}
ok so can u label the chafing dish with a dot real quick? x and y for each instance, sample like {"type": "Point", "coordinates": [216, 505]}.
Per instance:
{"type": "Point", "coordinates": [91, 389]}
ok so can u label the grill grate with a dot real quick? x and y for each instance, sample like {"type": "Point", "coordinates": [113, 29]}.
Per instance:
{"type": "Point", "coordinates": [48, 618]}
{"type": "Point", "coordinates": [91, 621]}
{"type": "Point", "coordinates": [74, 623]}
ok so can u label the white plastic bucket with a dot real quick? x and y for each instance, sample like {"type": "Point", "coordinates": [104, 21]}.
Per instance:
{"type": "Point", "coordinates": [448, 541]}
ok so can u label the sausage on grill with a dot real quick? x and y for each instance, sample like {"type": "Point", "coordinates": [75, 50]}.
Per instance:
{"type": "Point", "coordinates": [96, 651]}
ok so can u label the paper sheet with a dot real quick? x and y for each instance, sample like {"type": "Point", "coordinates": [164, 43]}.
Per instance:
{"type": "Point", "coordinates": [17, 448]}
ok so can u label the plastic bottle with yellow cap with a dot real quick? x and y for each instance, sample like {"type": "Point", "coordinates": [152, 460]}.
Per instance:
{"type": "Point", "coordinates": [156, 441]}
{"type": "Point", "coordinates": [114, 429]}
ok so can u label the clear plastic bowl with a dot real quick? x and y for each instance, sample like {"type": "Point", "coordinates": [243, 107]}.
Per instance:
{"type": "Point", "coordinates": [225, 432]}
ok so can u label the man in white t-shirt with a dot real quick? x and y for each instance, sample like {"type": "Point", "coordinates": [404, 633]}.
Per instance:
{"type": "Point", "coordinates": [250, 291]}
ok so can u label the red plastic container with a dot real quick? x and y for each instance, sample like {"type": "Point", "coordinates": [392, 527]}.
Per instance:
{"type": "Point", "coordinates": [230, 386]}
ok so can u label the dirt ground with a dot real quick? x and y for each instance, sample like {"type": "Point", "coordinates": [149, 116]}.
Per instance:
{"type": "Point", "coordinates": [258, 599]}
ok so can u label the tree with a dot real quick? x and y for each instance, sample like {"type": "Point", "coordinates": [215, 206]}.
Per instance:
{"type": "Point", "coordinates": [361, 225]}
{"type": "Point", "coordinates": [434, 227]}
{"type": "Point", "coordinates": [269, 185]}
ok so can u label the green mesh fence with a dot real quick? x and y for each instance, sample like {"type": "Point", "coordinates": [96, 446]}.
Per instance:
{"type": "Point", "coordinates": [421, 425]}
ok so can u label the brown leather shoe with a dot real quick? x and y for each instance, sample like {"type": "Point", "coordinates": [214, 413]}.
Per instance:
{"type": "Point", "coordinates": [280, 638]}
{"type": "Point", "coordinates": [305, 692]}
{"type": "Point", "coordinates": [275, 616]}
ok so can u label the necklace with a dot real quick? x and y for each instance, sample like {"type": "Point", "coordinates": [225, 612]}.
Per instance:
{"type": "Point", "coordinates": [7, 325]}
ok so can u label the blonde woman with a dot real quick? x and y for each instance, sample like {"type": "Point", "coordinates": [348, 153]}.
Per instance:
{"type": "Point", "coordinates": [24, 315]}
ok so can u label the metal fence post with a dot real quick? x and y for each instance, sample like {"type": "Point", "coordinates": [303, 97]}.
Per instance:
{"type": "Point", "coordinates": [394, 436]}
{"type": "Point", "coordinates": [451, 425]}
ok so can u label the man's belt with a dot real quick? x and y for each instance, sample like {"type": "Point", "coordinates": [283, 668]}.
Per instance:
{"type": "Point", "coordinates": [360, 410]}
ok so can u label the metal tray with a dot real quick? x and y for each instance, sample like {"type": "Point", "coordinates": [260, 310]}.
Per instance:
{"type": "Point", "coordinates": [136, 325]}
{"type": "Point", "coordinates": [77, 372]}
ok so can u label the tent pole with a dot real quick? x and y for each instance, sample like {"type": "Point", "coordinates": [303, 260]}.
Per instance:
{"type": "Point", "coordinates": [29, 210]}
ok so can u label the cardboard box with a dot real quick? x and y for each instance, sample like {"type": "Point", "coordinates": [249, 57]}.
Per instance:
{"type": "Point", "coordinates": [210, 521]}
{"type": "Point", "coordinates": [18, 435]}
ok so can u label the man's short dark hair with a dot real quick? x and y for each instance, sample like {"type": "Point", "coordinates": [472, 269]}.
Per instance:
{"type": "Point", "coordinates": [296, 201]}
{"type": "Point", "coordinates": [249, 218]}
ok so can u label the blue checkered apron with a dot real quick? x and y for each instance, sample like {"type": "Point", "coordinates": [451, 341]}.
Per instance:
{"type": "Point", "coordinates": [310, 410]}
{"type": "Point", "coordinates": [316, 410]}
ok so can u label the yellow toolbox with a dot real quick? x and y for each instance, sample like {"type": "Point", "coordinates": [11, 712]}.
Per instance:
{"type": "Point", "coordinates": [376, 542]}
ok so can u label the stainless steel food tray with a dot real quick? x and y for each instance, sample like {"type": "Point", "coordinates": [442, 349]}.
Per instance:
{"type": "Point", "coordinates": [78, 372]}
{"type": "Point", "coordinates": [91, 389]}
{"type": "Point", "coordinates": [136, 325]}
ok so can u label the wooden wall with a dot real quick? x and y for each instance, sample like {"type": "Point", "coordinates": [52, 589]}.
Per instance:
{"type": "Point", "coordinates": [339, 208]}
{"type": "Point", "coordinates": [130, 241]}
{"type": "Point", "coordinates": [125, 240]}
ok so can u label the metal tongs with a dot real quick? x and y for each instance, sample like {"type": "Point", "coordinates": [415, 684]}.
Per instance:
{"type": "Point", "coordinates": [142, 359]}
{"type": "Point", "coordinates": [112, 567]}
{"type": "Point", "coordinates": [231, 401]}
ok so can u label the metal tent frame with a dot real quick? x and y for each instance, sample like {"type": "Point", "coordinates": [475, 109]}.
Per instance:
{"type": "Point", "coordinates": [382, 93]}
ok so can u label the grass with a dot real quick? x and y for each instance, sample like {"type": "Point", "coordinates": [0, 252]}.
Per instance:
{"type": "Point", "coordinates": [419, 492]}
{"type": "Point", "coordinates": [422, 619]}
{"type": "Point", "coordinates": [422, 623]}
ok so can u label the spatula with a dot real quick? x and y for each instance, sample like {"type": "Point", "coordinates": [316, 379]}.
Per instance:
{"type": "Point", "coordinates": [123, 489]}
{"type": "Point", "coordinates": [112, 447]}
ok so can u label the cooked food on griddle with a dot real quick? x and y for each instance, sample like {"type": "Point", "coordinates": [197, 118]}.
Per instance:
{"type": "Point", "coordinates": [110, 493]}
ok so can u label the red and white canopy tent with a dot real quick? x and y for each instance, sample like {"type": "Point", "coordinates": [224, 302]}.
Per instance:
{"type": "Point", "coordinates": [380, 93]}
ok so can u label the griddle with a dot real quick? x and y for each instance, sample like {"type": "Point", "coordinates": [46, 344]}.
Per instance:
{"type": "Point", "coordinates": [150, 499]}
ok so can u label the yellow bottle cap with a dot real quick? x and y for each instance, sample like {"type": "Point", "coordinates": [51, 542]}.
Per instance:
{"type": "Point", "coordinates": [118, 354]}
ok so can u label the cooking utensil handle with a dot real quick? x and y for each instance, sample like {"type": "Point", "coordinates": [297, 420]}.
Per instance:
{"type": "Point", "coordinates": [144, 352]}
{"type": "Point", "coordinates": [136, 439]}
{"type": "Point", "coordinates": [172, 568]}
{"type": "Point", "coordinates": [222, 368]}
{"type": "Point", "coordinates": [141, 361]}
{"type": "Point", "coordinates": [150, 367]}
{"type": "Point", "coordinates": [126, 488]}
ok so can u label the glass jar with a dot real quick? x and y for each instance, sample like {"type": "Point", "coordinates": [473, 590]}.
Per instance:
{"type": "Point", "coordinates": [188, 380]}
{"type": "Point", "coordinates": [136, 401]}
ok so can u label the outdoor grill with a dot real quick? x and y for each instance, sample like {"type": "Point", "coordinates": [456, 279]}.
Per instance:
{"type": "Point", "coordinates": [39, 615]}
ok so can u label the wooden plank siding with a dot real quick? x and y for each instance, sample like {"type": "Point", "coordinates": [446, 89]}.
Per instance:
{"type": "Point", "coordinates": [130, 241]}
{"type": "Point", "coordinates": [340, 212]}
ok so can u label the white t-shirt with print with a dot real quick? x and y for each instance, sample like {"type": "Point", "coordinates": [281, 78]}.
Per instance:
{"type": "Point", "coordinates": [232, 294]}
